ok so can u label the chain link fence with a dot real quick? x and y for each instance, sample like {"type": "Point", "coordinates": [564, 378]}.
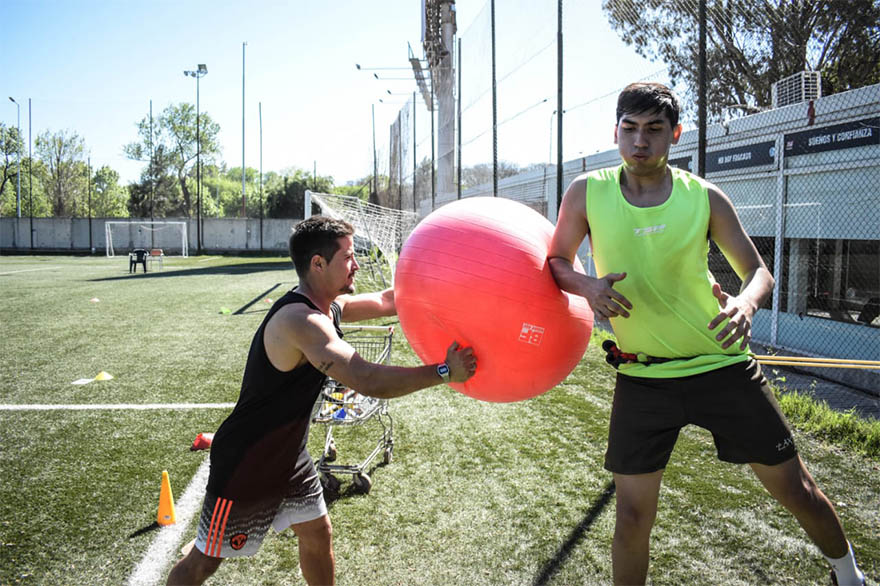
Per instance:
{"type": "Point", "coordinates": [803, 179]}
{"type": "Point", "coordinates": [802, 172]}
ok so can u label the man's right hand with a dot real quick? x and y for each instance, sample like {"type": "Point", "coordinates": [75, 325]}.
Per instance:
{"type": "Point", "coordinates": [604, 300]}
{"type": "Point", "coordinates": [461, 362]}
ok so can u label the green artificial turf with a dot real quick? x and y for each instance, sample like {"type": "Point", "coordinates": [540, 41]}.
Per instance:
{"type": "Point", "coordinates": [477, 493]}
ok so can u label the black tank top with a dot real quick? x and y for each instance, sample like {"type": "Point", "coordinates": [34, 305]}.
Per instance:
{"type": "Point", "coordinates": [261, 447]}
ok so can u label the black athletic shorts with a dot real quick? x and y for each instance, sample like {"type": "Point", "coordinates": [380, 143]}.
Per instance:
{"type": "Point", "coordinates": [735, 403]}
{"type": "Point", "coordinates": [230, 528]}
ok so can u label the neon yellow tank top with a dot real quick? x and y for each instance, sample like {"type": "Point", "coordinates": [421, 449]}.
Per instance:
{"type": "Point", "coordinates": [664, 252]}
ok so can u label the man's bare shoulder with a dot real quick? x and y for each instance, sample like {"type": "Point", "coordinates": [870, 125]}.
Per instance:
{"type": "Point", "coordinates": [296, 319]}
{"type": "Point", "coordinates": [719, 202]}
{"type": "Point", "coordinates": [580, 182]}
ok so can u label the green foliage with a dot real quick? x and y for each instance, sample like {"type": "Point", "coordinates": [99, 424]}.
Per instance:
{"type": "Point", "coordinates": [845, 429]}
{"type": "Point", "coordinates": [171, 147]}
{"type": "Point", "coordinates": [11, 146]}
{"type": "Point", "coordinates": [361, 191]}
{"type": "Point", "coordinates": [109, 199]}
{"type": "Point", "coordinates": [750, 45]}
{"type": "Point", "coordinates": [66, 179]}
{"type": "Point", "coordinates": [34, 176]}
{"type": "Point", "coordinates": [481, 174]}
{"type": "Point", "coordinates": [285, 198]}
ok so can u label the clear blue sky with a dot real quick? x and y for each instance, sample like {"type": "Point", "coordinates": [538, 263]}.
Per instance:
{"type": "Point", "coordinates": [92, 66]}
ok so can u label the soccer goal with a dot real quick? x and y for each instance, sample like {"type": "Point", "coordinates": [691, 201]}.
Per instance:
{"type": "Point", "coordinates": [171, 237]}
{"type": "Point", "coordinates": [379, 231]}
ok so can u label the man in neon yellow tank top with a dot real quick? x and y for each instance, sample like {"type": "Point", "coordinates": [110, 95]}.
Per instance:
{"type": "Point", "coordinates": [649, 227]}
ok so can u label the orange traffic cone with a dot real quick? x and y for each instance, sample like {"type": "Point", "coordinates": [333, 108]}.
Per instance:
{"type": "Point", "coordinates": [202, 442]}
{"type": "Point", "coordinates": [166, 502]}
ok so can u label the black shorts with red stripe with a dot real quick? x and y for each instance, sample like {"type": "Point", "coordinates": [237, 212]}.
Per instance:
{"type": "Point", "coordinates": [235, 528]}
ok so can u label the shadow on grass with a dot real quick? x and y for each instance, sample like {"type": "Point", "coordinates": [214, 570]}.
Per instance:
{"type": "Point", "coordinates": [230, 269]}
{"type": "Point", "coordinates": [575, 537]}
{"type": "Point", "coordinates": [151, 527]}
{"type": "Point", "coordinates": [244, 308]}
{"type": "Point", "coordinates": [350, 490]}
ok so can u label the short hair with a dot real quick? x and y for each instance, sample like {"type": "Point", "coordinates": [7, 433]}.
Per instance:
{"type": "Point", "coordinates": [640, 97]}
{"type": "Point", "coordinates": [316, 235]}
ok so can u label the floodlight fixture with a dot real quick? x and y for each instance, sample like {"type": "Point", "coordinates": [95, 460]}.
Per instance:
{"type": "Point", "coordinates": [199, 73]}
{"type": "Point", "coordinates": [376, 75]}
{"type": "Point", "coordinates": [421, 80]}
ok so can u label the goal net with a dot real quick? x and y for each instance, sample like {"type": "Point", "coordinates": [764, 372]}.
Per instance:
{"type": "Point", "coordinates": [124, 237]}
{"type": "Point", "coordinates": [379, 231]}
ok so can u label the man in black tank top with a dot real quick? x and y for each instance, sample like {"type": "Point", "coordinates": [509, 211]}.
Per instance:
{"type": "Point", "coordinates": [261, 472]}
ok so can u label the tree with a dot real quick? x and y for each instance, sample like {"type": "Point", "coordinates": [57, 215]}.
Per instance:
{"type": "Point", "coordinates": [286, 198]}
{"type": "Point", "coordinates": [109, 199]}
{"type": "Point", "coordinates": [359, 189]}
{"type": "Point", "coordinates": [173, 137]}
{"type": "Point", "coordinates": [752, 44]}
{"type": "Point", "coordinates": [34, 175]}
{"type": "Point", "coordinates": [482, 174]}
{"type": "Point", "coordinates": [157, 194]}
{"type": "Point", "coordinates": [64, 182]}
{"type": "Point", "coordinates": [10, 149]}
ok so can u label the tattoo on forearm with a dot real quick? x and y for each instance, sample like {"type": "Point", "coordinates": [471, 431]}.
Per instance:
{"type": "Point", "coordinates": [325, 366]}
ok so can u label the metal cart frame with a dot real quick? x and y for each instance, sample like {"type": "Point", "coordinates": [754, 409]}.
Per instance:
{"type": "Point", "coordinates": [338, 405]}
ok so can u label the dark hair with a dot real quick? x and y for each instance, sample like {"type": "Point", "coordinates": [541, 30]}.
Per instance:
{"type": "Point", "coordinates": [640, 97]}
{"type": "Point", "coordinates": [316, 235]}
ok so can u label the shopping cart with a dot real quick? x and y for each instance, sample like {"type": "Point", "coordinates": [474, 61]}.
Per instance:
{"type": "Point", "coordinates": [338, 405]}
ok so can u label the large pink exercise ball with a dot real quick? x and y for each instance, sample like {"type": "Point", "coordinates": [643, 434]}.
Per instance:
{"type": "Point", "coordinates": [476, 271]}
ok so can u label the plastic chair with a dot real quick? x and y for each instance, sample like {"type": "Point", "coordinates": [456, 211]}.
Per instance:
{"type": "Point", "coordinates": [135, 257]}
{"type": "Point", "coordinates": [156, 255]}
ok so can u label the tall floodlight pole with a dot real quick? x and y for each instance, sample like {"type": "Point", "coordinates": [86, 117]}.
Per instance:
{"type": "Point", "coordinates": [375, 161]}
{"type": "Point", "coordinates": [415, 155]}
{"type": "Point", "coordinates": [559, 109]}
{"type": "Point", "coordinates": [89, 168]}
{"type": "Point", "coordinates": [18, 149]}
{"type": "Point", "coordinates": [494, 107]}
{"type": "Point", "coordinates": [243, 196]}
{"type": "Point", "coordinates": [198, 74]}
{"type": "Point", "coordinates": [260, 110]}
{"type": "Point", "coordinates": [701, 91]}
{"type": "Point", "coordinates": [151, 161]}
{"type": "Point", "coordinates": [30, 175]}
{"type": "Point", "coordinates": [152, 181]}
{"type": "Point", "coordinates": [458, 105]}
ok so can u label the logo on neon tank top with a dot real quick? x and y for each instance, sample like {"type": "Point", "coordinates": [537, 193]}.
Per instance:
{"type": "Point", "coordinates": [649, 230]}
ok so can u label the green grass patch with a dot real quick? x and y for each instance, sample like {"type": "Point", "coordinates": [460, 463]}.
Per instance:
{"type": "Point", "coordinates": [478, 493]}
{"type": "Point", "coordinates": [845, 429]}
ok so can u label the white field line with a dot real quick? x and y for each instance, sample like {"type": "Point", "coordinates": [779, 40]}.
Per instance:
{"type": "Point", "coordinates": [152, 567]}
{"type": "Point", "coordinates": [28, 270]}
{"type": "Point", "coordinates": [207, 259]}
{"type": "Point", "coordinates": [121, 406]}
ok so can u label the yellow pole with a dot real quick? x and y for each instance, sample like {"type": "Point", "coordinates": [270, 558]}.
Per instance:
{"type": "Point", "coordinates": [767, 358]}
{"type": "Point", "coordinates": [816, 365]}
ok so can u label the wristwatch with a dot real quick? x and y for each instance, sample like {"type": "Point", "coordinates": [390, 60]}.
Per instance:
{"type": "Point", "coordinates": [443, 371]}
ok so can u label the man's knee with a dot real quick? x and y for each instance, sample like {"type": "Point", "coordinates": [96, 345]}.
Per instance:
{"type": "Point", "coordinates": [794, 488]}
{"type": "Point", "coordinates": [802, 493]}
{"type": "Point", "coordinates": [635, 518]}
{"type": "Point", "coordinates": [195, 568]}
{"type": "Point", "coordinates": [316, 534]}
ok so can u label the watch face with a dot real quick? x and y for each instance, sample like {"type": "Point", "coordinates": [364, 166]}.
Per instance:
{"type": "Point", "coordinates": [443, 370]}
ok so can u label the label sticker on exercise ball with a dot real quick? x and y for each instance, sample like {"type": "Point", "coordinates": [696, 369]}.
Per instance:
{"type": "Point", "coordinates": [531, 334]}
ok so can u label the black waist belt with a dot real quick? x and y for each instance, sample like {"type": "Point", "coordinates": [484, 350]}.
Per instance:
{"type": "Point", "coordinates": [615, 357]}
